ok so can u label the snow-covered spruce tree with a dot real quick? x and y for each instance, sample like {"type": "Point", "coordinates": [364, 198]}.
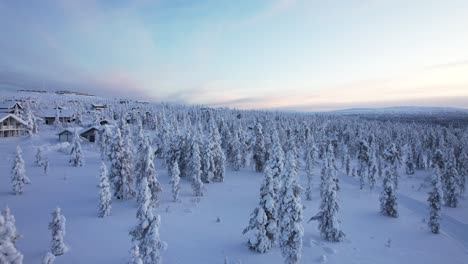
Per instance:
{"type": "Point", "coordinates": [105, 142]}
{"type": "Point", "coordinates": [10, 231]}
{"type": "Point", "coordinates": [175, 181]}
{"type": "Point", "coordinates": [259, 148]}
{"type": "Point", "coordinates": [347, 159]}
{"type": "Point", "coordinates": [328, 170]}
{"type": "Point", "coordinates": [438, 160]}
{"type": "Point", "coordinates": [435, 202]}
{"type": "Point", "coordinates": [148, 171]}
{"type": "Point", "coordinates": [39, 162]}
{"type": "Point", "coordinates": [373, 170]}
{"type": "Point", "coordinates": [363, 162]}
{"type": "Point", "coordinates": [388, 200]}
{"type": "Point", "coordinates": [328, 217]}
{"type": "Point", "coordinates": [121, 168]}
{"type": "Point", "coordinates": [57, 122]}
{"type": "Point", "coordinates": [57, 227]}
{"type": "Point", "coordinates": [195, 169]}
{"type": "Point", "coordinates": [76, 154]}
{"type": "Point", "coordinates": [144, 213]}
{"type": "Point", "coordinates": [462, 171]}
{"type": "Point", "coordinates": [236, 152]}
{"type": "Point", "coordinates": [151, 245]}
{"type": "Point", "coordinates": [208, 163]}
{"type": "Point", "coordinates": [449, 182]}
{"type": "Point", "coordinates": [290, 214]}
{"type": "Point", "coordinates": [214, 143]}
{"type": "Point", "coordinates": [48, 258]}
{"type": "Point", "coordinates": [105, 195]}
{"type": "Point", "coordinates": [410, 165]}
{"type": "Point", "coordinates": [310, 160]}
{"type": "Point", "coordinates": [18, 173]}
{"type": "Point", "coordinates": [392, 159]}
{"type": "Point", "coordinates": [275, 164]}
{"type": "Point", "coordinates": [135, 257]}
{"type": "Point", "coordinates": [8, 252]}
{"type": "Point", "coordinates": [263, 229]}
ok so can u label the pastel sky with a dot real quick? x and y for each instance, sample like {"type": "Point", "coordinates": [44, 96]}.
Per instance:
{"type": "Point", "coordinates": [278, 54]}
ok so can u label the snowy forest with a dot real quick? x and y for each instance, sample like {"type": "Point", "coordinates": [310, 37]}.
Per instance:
{"type": "Point", "coordinates": [170, 183]}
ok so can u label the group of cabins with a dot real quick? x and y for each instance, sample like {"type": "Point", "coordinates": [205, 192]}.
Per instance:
{"type": "Point", "coordinates": [89, 134]}
{"type": "Point", "coordinates": [12, 125]}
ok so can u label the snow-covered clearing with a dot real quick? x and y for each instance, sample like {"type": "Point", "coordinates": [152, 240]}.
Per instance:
{"type": "Point", "coordinates": [191, 227]}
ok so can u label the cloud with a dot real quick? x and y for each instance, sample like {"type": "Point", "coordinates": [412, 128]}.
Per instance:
{"type": "Point", "coordinates": [448, 65]}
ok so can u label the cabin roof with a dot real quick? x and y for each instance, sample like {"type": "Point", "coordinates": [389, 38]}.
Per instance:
{"type": "Point", "coordinates": [9, 105]}
{"type": "Point", "coordinates": [62, 113]}
{"type": "Point", "coordinates": [5, 116]}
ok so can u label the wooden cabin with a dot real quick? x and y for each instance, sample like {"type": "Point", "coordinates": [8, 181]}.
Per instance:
{"type": "Point", "coordinates": [12, 126]}
{"type": "Point", "coordinates": [66, 135]}
{"type": "Point", "coordinates": [90, 133]}
{"type": "Point", "coordinates": [10, 107]}
{"type": "Point", "coordinates": [65, 116]}
{"type": "Point", "coordinates": [98, 106]}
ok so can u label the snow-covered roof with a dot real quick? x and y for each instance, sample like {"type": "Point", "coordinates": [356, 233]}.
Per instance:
{"type": "Point", "coordinates": [70, 130]}
{"type": "Point", "coordinates": [9, 105]}
{"type": "Point", "coordinates": [52, 112]}
{"type": "Point", "coordinates": [4, 116]}
{"type": "Point", "coordinates": [89, 128]}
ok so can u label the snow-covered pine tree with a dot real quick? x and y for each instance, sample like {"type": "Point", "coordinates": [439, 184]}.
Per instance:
{"type": "Point", "coordinates": [328, 170]}
{"type": "Point", "coordinates": [363, 162]}
{"type": "Point", "coordinates": [18, 172]}
{"type": "Point", "coordinates": [195, 168]}
{"type": "Point", "coordinates": [105, 195]}
{"type": "Point", "coordinates": [76, 154]}
{"type": "Point", "coordinates": [236, 152]}
{"type": "Point", "coordinates": [39, 162]}
{"type": "Point", "coordinates": [449, 182]}
{"type": "Point", "coordinates": [144, 213]}
{"type": "Point", "coordinates": [259, 148]}
{"type": "Point", "coordinates": [214, 143]}
{"type": "Point", "coordinates": [8, 252]}
{"type": "Point", "coordinates": [151, 245]}
{"type": "Point", "coordinates": [435, 202]}
{"type": "Point", "coordinates": [57, 227]}
{"type": "Point", "coordinates": [57, 122]}
{"type": "Point", "coordinates": [149, 172]}
{"type": "Point", "coordinates": [135, 257]}
{"type": "Point", "coordinates": [208, 163]}
{"type": "Point", "coordinates": [290, 214]}
{"type": "Point", "coordinates": [347, 159]}
{"type": "Point", "coordinates": [175, 181]}
{"type": "Point", "coordinates": [263, 229]}
{"type": "Point", "coordinates": [410, 165]}
{"type": "Point", "coordinates": [438, 160]}
{"type": "Point", "coordinates": [329, 223]}
{"type": "Point", "coordinates": [105, 142]}
{"type": "Point", "coordinates": [121, 168]}
{"type": "Point", "coordinates": [310, 160]}
{"type": "Point", "coordinates": [373, 170]}
{"type": "Point", "coordinates": [388, 200]}
{"type": "Point", "coordinates": [275, 164]}
{"type": "Point", "coordinates": [392, 159]}
{"type": "Point", "coordinates": [10, 231]}
{"type": "Point", "coordinates": [462, 171]}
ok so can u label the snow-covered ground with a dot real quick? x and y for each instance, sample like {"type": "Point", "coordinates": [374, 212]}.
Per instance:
{"type": "Point", "coordinates": [191, 229]}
